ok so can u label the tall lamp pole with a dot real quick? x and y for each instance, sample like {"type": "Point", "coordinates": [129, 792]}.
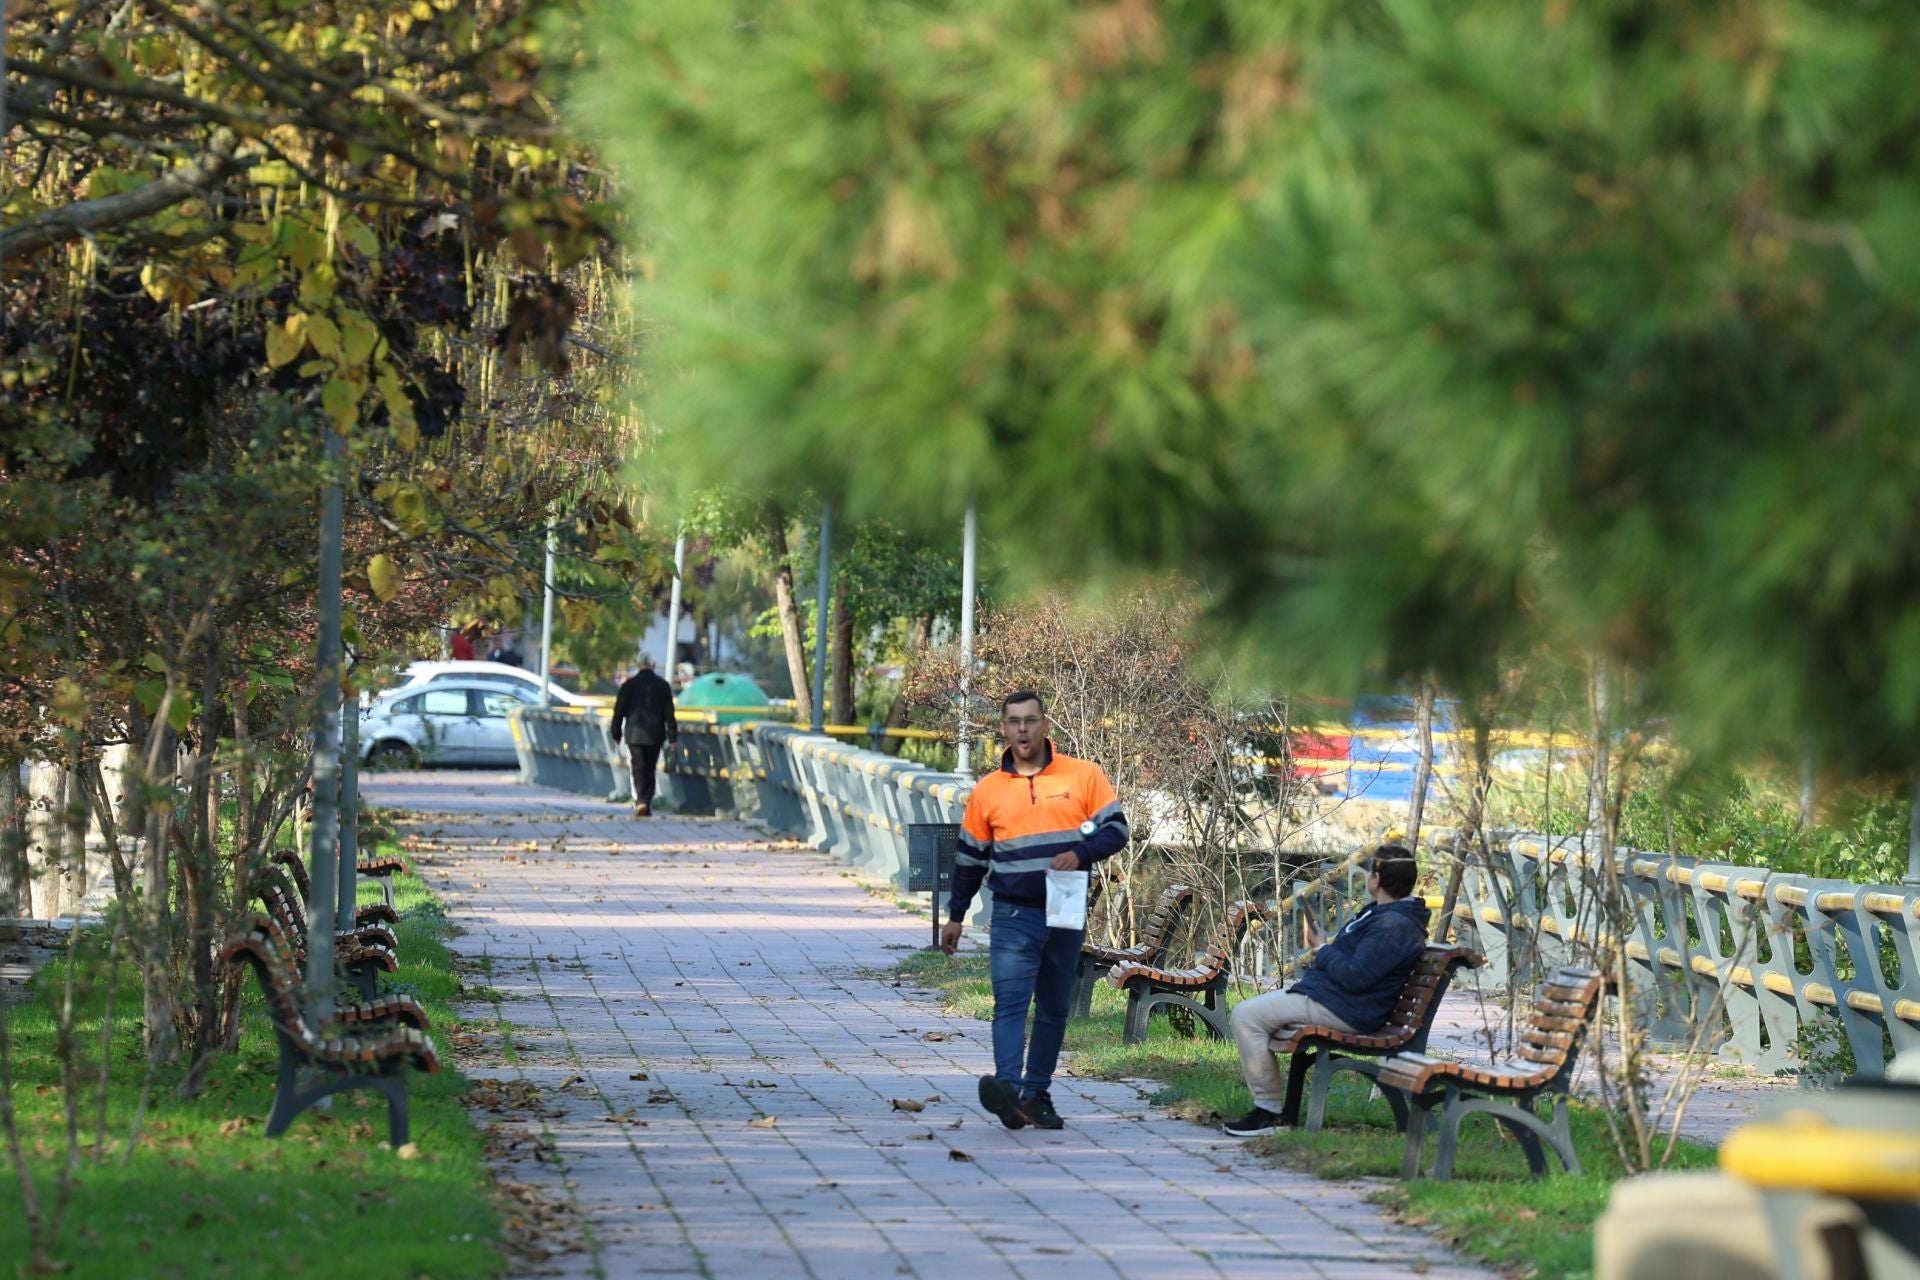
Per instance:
{"type": "Point", "coordinates": [969, 558]}
{"type": "Point", "coordinates": [324, 868]}
{"type": "Point", "coordinates": [670, 660]}
{"type": "Point", "coordinates": [820, 618]}
{"type": "Point", "coordinates": [349, 818]}
{"type": "Point", "coordinates": [546, 623]}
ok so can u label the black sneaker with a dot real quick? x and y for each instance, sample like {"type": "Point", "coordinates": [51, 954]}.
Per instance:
{"type": "Point", "coordinates": [1040, 1112]}
{"type": "Point", "coordinates": [1253, 1124]}
{"type": "Point", "coordinates": [999, 1097]}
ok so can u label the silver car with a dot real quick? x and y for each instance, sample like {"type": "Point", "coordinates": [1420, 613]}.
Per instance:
{"type": "Point", "coordinates": [448, 722]}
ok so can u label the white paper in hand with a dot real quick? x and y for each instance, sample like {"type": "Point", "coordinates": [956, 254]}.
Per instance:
{"type": "Point", "coordinates": [1066, 899]}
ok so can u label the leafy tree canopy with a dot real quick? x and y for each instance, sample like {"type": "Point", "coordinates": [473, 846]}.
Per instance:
{"type": "Point", "coordinates": [1422, 333]}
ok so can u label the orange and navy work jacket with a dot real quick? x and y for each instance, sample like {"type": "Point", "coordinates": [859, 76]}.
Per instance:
{"type": "Point", "coordinates": [1016, 826]}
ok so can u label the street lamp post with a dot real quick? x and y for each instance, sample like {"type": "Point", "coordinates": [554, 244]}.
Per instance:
{"type": "Point", "coordinates": [670, 660]}
{"type": "Point", "coordinates": [546, 623]}
{"type": "Point", "coordinates": [969, 557]}
{"type": "Point", "coordinates": [324, 868]}
{"type": "Point", "coordinates": [349, 818]}
{"type": "Point", "coordinates": [820, 618]}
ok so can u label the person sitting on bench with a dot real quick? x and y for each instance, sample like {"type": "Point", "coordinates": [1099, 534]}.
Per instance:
{"type": "Point", "coordinates": [1349, 984]}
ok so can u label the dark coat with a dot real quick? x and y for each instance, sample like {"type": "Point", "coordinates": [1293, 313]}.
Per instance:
{"type": "Point", "coordinates": [643, 711]}
{"type": "Point", "coordinates": [1360, 973]}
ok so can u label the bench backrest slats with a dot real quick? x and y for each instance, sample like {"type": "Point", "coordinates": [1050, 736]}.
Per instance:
{"type": "Point", "coordinates": [287, 916]}
{"type": "Point", "coordinates": [1165, 920]}
{"type": "Point", "coordinates": [1552, 1034]}
{"type": "Point", "coordinates": [1226, 938]}
{"type": "Point", "coordinates": [295, 869]}
{"type": "Point", "coordinates": [262, 947]}
{"type": "Point", "coordinates": [1413, 1014]}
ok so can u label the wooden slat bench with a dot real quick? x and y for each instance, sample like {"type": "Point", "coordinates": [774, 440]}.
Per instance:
{"type": "Point", "coordinates": [1159, 931]}
{"type": "Point", "coordinates": [1549, 1051]}
{"type": "Point", "coordinates": [363, 954]}
{"type": "Point", "coordinates": [380, 869]}
{"type": "Point", "coordinates": [1324, 1050]}
{"type": "Point", "coordinates": [315, 1064]}
{"type": "Point", "coordinates": [1149, 987]}
{"type": "Point", "coordinates": [398, 1010]}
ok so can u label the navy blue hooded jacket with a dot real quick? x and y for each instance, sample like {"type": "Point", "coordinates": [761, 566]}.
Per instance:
{"type": "Point", "coordinates": [1360, 973]}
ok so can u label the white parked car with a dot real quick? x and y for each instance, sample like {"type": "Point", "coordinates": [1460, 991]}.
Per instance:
{"type": "Point", "coordinates": [498, 674]}
{"type": "Point", "coordinates": [442, 722]}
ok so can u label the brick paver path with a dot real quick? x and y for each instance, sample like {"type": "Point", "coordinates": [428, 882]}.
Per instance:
{"type": "Point", "coordinates": [726, 1003]}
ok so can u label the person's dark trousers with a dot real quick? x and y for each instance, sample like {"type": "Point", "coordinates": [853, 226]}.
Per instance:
{"type": "Point", "coordinates": [1031, 965]}
{"type": "Point", "coordinates": [645, 760]}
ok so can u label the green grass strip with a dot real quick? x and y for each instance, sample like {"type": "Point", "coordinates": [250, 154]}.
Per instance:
{"type": "Point", "coordinates": [1491, 1209]}
{"type": "Point", "coordinates": [206, 1194]}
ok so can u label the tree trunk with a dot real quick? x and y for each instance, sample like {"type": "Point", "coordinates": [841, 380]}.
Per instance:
{"type": "Point", "coordinates": [841, 654]}
{"type": "Point", "coordinates": [46, 837]}
{"type": "Point", "coordinates": [15, 891]}
{"type": "Point", "coordinates": [1423, 768]}
{"type": "Point", "coordinates": [76, 821]}
{"type": "Point", "coordinates": [1473, 830]}
{"type": "Point", "coordinates": [158, 1005]}
{"type": "Point", "coordinates": [1602, 745]}
{"type": "Point", "coordinates": [202, 855]}
{"type": "Point", "coordinates": [790, 631]}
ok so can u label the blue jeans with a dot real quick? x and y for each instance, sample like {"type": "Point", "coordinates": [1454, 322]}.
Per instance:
{"type": "Point", "coordinates": [1031, 965]}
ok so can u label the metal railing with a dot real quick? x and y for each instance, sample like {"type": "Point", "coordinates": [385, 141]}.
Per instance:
{"type": "Point", "coordinates": [1740, 961]}
{"type": "Point", "coordinates": [1757, 955]}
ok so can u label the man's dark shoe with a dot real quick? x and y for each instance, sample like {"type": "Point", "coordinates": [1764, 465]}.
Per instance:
{"type": "Point", "coordinates": [1253, 1124]}
{"type": "Point", "coordinates": [1040, 1112]}
{"type": "Point", "coordinates": [999, 1097]}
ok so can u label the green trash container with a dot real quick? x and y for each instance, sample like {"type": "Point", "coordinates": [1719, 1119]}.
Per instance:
{"type": "Point", "coordinates": [739, 695]}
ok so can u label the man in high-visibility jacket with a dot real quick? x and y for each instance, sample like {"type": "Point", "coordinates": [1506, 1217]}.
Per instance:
{"type": "Point", "coordinates": [1039, 811]}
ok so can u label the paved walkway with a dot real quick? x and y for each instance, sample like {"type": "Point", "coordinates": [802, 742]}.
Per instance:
{"type": "Point", "coordinates": [719, 1056]}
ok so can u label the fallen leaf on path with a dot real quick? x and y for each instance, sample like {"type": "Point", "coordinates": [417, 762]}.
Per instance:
{"type": "Point", "coordinates": [920, 1137]}
{"type": "Point", "coordinates": [660, 1095]}
{"type": "Point", "coordinates": [638, 1075]}
{"type": "Point", "coordinates": [570, 1081]}
{"type": "Point", "coordinates": [908, 1104]}
{"type": "Point", "coordinates": [959, 1157]}
{"type": "Point", "coordinates": [764, 1122]}
{"type": "Point", "coordinates": [626, 1117]}
{"type": "Point", "coordinates": [1051, 1248]}
{"type": "Point", "coordinates": [958, 1121]}
{"type": "Point", "coordinates": [935, 1036]}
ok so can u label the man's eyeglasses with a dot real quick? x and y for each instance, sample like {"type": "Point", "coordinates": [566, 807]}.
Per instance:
{"type": "Point", "coordinates": [1024, 722]}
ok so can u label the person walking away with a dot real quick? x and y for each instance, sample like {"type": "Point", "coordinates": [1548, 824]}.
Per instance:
{"type": "Point", "coordinates": [643, 716]}
{"type": "Point", "coordinates": [461, 646]}
{"type": "Point", "coordinates": [1039, 811]}
{"type": "Point", "coordinates": [1349, 984]}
